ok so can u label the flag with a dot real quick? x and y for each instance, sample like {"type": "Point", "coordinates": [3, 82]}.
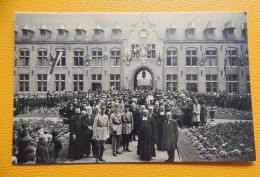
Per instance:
{"type": "Point", "coordinates": [51, 59]}
{"type": "Point", "coordinates": [56, 60]}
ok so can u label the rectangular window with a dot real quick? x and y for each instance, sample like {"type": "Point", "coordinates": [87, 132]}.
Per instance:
{"type": "Point", "coordinates": [60, 82]}
{"type": "Point", "coordinates": [42, 58]}
{"type": "Point", "coordinates": [231, 57]}
{"type": "Point", "coordinates": [191, 57]}
{"type": "Point", "coordinates": [25, 33]}
{"type": "Point", "coordinates": [211, 57]}
{"type": "Point", "coordinates": [62, 61]}
{"type": "Point", "coordinates": [115, 81]}
{"type": "Point", "coordinates": [78, 82]}
{"type": "Point", "coordinates": [135, 51]}
{"type": "Point", "coordinates": [191, 77]}
{"type": "Point", "coordinates": [115, 58]}
{"type": "Point", "coordinates": [43, 32]}
{"type": "Point", "coordinates": [42, 82]}
{"type": "Point", "coordinates": [61, 32]}
{"type": "Point", "coordinates": [24, 57]}
{"type": "Point", "coordinates": [97, 58]}
{"type": "Point", "coordinates": [171, 57]}
{"type": "Point", "coordinates": [231, 83]}
{"type": "Point", "coordinates": [24, 82]}
{"type": "Point", "coordinates": [211, 83]}
{"type": "Point", "coordinates": [96, 77]}
{"type": "Point", "coordinates": [171, 83]}
{"type": "Point", "coordinates": [151, 51]}
{"type": "Point", "coordinates": [78, 58]}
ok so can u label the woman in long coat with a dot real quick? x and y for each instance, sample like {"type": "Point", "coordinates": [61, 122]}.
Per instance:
{"type": "Point", "coordinates": [147, 137]}
{"type": "Point", "coordinates": [203, 113]}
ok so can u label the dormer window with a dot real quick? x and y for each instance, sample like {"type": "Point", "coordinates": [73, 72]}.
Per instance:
{"type": "Point", "coordinates": [209, 31]}
{"type": "Point", "coordinates": [28, 31]}
{"type": "Point", "coordinates": [228, 31]}
{"type": "Point", "coordinates": [61, 32]}
{"type": "Point", "coordinates": [116, 32]}
{"type": "Point", "coordinates": [98, 32]}
{"type": "Point", "coordinates": [170, 31]}
{"type": "Point", "coordinates": [25, 33]}
{"type": "Point", "coordinates": [79, 31]}
{"type": "Point", "coordinates": [45, 30]}
{"type": "Point", "coordinates": [43, 33]}
{"type": "Point", "coordinates": [190, 32]}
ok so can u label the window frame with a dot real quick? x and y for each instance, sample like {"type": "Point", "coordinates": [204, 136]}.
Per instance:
{"type": "Point", "coordinates": [115, 60]}
{"type": "Point", "coordinates": [24, 59]}
{"type": "Point", "coordinates": [78, 83]}
{"type": "Point", "coordinates": [191, 56]}
{"type": "Point", "coordinates": [42, 85]}
{"type": "Point", "coordinates": [230, 82]}
{"type": "Point", "coordinates": [208, 58]}
{"type": "Point", "coordinates": [211, 82]}
{"type": "Point", "coordinates": [78, 60]}
{"type": "Point", "coordinates": [96, 58]}
{"type": "Point", "coordinates": [24, 82]}
{"type": "Point", "coordinates": [231, 60]}
{"type": "Point", "coordinates": [171, 57]}
{"type": "Point", "coordinates": [116, 82]}
{"type": "Point", "coordinates": [42, 58]}
{"type": "Point", "coordinates": [60, 83]}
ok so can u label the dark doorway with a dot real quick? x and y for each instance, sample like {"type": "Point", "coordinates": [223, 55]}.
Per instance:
{"type": "Point", "coordinates": [96, 86]}
{"type": "Point", "coordinates": [143, 78]}
{"type": "Point", "coordinates": [191, 87]}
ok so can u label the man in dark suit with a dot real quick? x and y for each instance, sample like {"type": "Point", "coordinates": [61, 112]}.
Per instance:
{"type": "Point", "coordinates": [87, 131]}
{"type": "Point", "coordinates": [170, 136]}
{"type": "Point", "coordinates": [74, 151]}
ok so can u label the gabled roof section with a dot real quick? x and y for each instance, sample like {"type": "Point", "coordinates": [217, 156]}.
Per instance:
{"type": "Point", "coordinates": [171, 26]}
{"type": "Point", "coordinates": [142, 20]}
{"type": "Point", "coordinates": [209, 26]}
{"type": "Point", "coordinates": [61, 27]}
{"type": "Point", "coordinates": [228, 25]}
{"type": "Point", "coordinates": [79, 27]}
{"type": "Point", "coordinates": [28, 27]}
{"type": "Point", "coordinates": [116, 27]}
{"type": "Point", "coordinates": [45, 27]}
{"type": "Point", "coordinates": [98, 27]}
{"type": "Point", "coordinates": [190, 26]}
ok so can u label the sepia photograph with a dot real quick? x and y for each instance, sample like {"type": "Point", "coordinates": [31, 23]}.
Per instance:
{"type": "Point", "coordinates": [131, 87]}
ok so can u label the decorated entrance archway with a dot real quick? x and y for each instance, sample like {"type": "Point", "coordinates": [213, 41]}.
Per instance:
{"type": "Point", "coordinates": [143, 77]}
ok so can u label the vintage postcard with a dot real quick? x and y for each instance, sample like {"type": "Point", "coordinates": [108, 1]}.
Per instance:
{"type": "Point", "coordinates": [131, 87]}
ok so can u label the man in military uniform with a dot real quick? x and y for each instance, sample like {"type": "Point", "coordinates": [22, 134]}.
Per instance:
{"type": "Point", "coordinates": [100, 133]}
{"type": "Point", "coordinates": [127, 127]}
{"type": "Point", "coordinates": [116, 130]}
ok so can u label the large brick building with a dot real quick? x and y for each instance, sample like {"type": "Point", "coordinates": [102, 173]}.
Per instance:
{"type": "Point", "coordinates": [206, 52]}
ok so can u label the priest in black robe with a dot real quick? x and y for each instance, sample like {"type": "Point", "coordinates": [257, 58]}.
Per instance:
{"type": "Point", "coordinates": [147, 137]}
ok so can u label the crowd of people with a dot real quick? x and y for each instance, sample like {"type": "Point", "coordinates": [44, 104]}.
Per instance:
{"type": "Point", "coordinates": [117, 117]}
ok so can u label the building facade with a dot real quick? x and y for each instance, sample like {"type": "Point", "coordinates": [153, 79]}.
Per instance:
{"type": "Point", "coordinates": [203, 52]}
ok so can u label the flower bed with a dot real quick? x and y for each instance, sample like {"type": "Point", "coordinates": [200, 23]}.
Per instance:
{"type": "Point", "coordinates": [233, 141]}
